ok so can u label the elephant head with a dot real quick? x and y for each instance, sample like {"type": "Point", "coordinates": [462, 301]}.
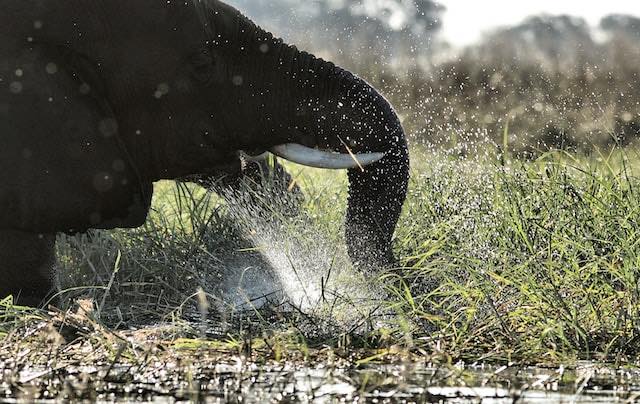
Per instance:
{"type": "Point", "coordinates": [233, 86]}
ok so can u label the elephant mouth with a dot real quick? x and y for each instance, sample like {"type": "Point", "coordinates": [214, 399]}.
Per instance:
{"type": "Point", "coordinates": [310, 157]}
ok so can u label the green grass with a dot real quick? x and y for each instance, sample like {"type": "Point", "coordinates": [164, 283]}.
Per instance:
{"type": "Point", "coordinates": [533, 261]}
{"type": "Point", "coordinates": [502, 260]}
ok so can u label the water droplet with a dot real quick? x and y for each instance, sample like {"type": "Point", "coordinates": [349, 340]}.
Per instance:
{"type": "Point", "coordinates": [51, 68]}
{"type": "Point", "coordinates": [84, 89]}
{"type": "Point", "coordinates": [102, 182]}
{"type": "Point", "coordinates": [162, 90]}
{"type": "Point", "coordinates": [15, 87]}
{"type": "Point", "coordinates": [108, 127]}
{"type": "Point", "coordinates": [237, 80]}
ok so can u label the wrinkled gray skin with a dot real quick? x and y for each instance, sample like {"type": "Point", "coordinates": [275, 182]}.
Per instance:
{"type": "Point", "coordinates": [99, 99]}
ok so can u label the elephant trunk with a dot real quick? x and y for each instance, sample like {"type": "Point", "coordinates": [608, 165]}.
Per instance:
{"type": "Point", "coordinates": [376, 195]}
{"type": "Point", "coordinates": [345, 114]}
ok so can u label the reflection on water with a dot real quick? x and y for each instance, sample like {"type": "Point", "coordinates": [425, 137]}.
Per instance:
{"type": "Point", "coordinates": [410, 383]}
{"type": "Point", "coordinates": [247, 382]}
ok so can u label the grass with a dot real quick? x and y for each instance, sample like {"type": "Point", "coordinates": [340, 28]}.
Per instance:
{"type": "Point", "coordinates": [502, 261]}
{"type": "Point", "coordinates": [533, 261]}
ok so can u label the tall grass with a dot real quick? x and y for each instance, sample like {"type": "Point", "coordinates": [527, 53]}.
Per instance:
{"type": "Point", "coordinates": [532, 259]}
{"type": "Point", "coordinates": [149, 274]}
{"type": "Point", "coordinates": [500, 259]}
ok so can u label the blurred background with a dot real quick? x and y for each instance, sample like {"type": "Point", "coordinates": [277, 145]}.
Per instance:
{"type": "Point", "coordinates": [526, 75]}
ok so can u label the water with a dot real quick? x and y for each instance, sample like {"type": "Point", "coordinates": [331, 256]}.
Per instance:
{"type": "Point", "coordinates": [300, 264]}
{"type": "Point", "coordinates": [238, 381]}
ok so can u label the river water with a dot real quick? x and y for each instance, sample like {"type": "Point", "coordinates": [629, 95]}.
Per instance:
{"type": "Point", "coordinates": [289, 382]}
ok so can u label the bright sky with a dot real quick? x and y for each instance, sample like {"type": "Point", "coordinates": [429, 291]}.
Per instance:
{"type": "Point", "coordinates": [465, 20]}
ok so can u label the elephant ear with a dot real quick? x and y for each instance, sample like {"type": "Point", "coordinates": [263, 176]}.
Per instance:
{"type": "Point", "coordinates": [62, 164]}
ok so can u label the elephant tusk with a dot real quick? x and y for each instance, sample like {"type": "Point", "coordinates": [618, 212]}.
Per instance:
{"type": "Point", "coordinates": [323, 159]}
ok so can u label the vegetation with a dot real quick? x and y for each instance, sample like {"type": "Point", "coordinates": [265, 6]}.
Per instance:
{"type": "Point", "coordinates": [533, 261]}
{"type": "Point", "coordinates": [501, 260]}
{"type": "Point", "coordinates": [551, 91]}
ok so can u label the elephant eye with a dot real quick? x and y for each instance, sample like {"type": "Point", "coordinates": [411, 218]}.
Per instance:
{"type": "Point", "coordinates": [202, 66]}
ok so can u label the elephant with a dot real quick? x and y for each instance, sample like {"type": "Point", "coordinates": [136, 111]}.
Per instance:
{"type": "Point", "coordinates": [100, 99]}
